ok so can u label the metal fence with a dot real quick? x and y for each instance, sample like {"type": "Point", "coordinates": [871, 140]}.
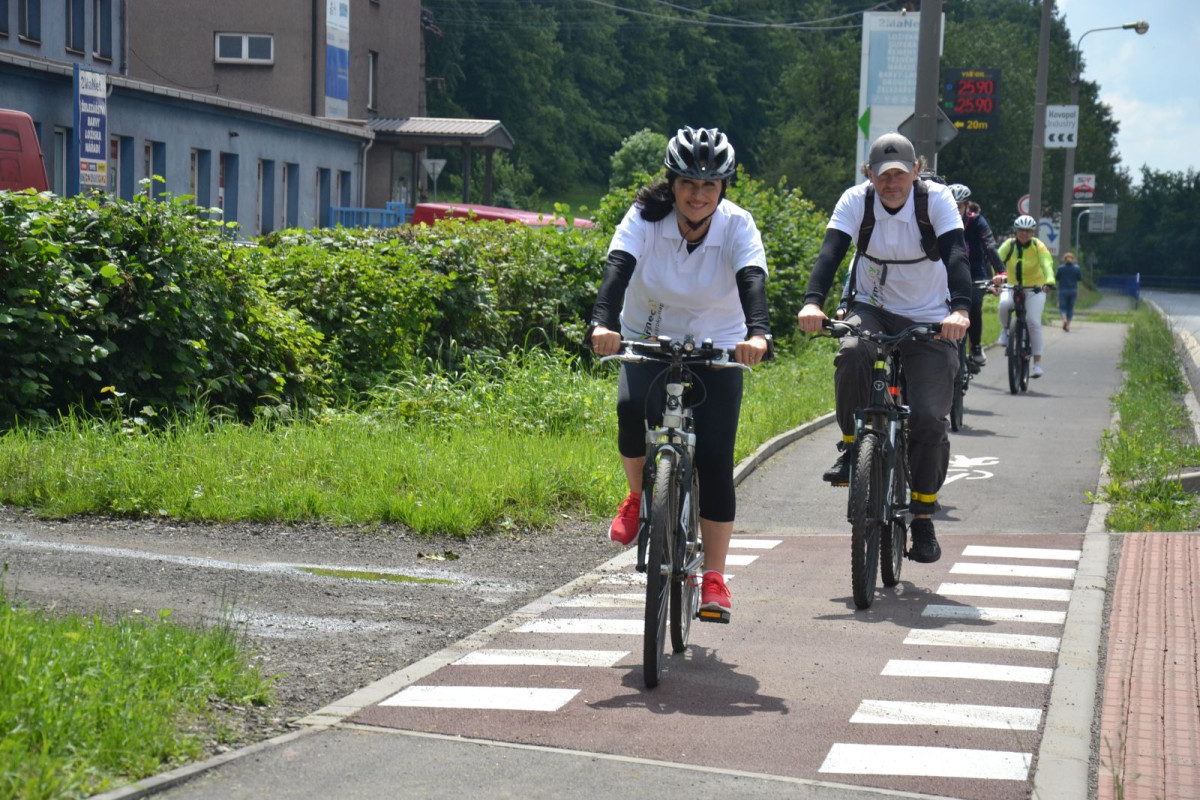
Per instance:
{"type": "Point", "coordinates": [390, 216]}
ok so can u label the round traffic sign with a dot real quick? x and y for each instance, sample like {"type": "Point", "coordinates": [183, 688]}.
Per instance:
{"type": "Point", "coordinates": [1023, 205]}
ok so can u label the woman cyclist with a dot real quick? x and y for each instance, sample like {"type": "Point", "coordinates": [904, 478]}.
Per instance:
{"type": "Point", "coordinates": [981, 252]}
{"type": "Point", "coordinates": [1030, 266]}
{"type": "Point", "coordinates": [686, 261]}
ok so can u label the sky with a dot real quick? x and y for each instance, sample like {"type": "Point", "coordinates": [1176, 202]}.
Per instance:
{"type": "Point", "coordinates": [1151, 82]}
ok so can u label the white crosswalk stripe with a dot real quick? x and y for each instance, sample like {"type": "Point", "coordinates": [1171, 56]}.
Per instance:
{"type": "Point", "coordinates": [995, 614]}
{"type": "Point", "coordinates": [1015, 571]}
{"type": "Point", "coordinates": [618, 627]}
{"type": "Point", "coordinates": [938, 762]}
{"type": "Point", "coordinates": [500, 698]}
{"type": "Point", "coordinates": [966, 670]}
{"type": "Point", "coordinates": [1006, 641]}
{"type": "Point", "coordinates": [1041, 553]}
{"type": "Point", "coordinates": [1012, 592]}
{"type": "Point", "coordinates": [953, 715]}
{"type": "Point", "coordinates": [537, 658]}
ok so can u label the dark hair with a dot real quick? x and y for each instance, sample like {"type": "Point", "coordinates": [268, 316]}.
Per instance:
{"type": "Point", "coordinates": [657, 200]}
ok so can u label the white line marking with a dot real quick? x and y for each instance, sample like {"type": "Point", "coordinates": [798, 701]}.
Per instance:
{"type": "Point", "coordinates": [537, 658]}
{"type": "Point", "coordinates": [605, 601]}
{"type": "Point", "coordinates": [624, 579]}
{"type": "Point", "coordinates": [620, 627]}
{"type": "Point", "coordinates": [734, 560]}
{"type": "Point", "coordinates": [1008, 641]}
{"type": "Point", "coordinates": [755, 544]}
{"type": "Point", "coordinates": [1015, 571]}
{"type": "Point", "coordinates": [1011, 592]}
{"type": "Point", "coordinates": [995, 614]}
{"type": "Point", "coordinates": [940, 762]}
{"type": "Point", "coordinates": [966, 670]}
{"type": "Point", "coordinates": [484, 697]}
{"type": "Point", "coordinates": [1047, 554]}
{"type": "Point", "coordinates": [954, 715]}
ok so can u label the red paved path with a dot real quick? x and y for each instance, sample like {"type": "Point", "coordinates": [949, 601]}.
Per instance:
{"type": "Point", "coordinates": [1150, 725]}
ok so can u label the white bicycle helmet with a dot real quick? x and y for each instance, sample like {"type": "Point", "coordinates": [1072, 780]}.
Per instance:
{"type": "Point", "coordinates": [1025, 223]}
{"type": "Point", "coordinates": [961, 192]}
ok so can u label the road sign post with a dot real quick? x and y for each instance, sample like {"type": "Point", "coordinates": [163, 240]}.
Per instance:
{"type": "Point", "coordinates": [433, 167]}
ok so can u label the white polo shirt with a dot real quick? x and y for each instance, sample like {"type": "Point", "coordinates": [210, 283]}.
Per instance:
{"type": "Point", "coordinates": [675, 293]}
{"type": "Point", "coordinates": [917, 291]}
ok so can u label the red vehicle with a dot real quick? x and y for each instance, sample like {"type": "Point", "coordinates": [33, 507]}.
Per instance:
{"type": "Point", "coordinates": [21, 164]}
{"type": "Point", "coordinates": [432, 212]}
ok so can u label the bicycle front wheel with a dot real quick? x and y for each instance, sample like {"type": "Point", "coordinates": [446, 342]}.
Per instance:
{"type": "Point", "coordinates": [685, 585]}
{"type": "Point", "coordinates": [1014, 358]}
{"type": "Point", "coordinates": [866, 488]}
{"type": "Point", "coordinates": [664, 513]}
{"type": "Point", "coordinates": [960, 391]}
{"type": "Point", "coordinates": [1026, 355]}
{"type": "Point", "coordinates": [894, 534]}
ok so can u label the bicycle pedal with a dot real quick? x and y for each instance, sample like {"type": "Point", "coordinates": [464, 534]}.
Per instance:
{"type": "Point", "coordinates": [713, 615]}
{"type": "Point", "coordinates": [839, 484]}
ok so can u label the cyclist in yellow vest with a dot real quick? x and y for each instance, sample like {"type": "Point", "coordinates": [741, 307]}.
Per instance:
{"type": "Point", "coordinates": [1028, 264]}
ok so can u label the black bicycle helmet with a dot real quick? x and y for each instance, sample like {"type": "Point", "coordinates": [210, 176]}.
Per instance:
{"type": "Point", "coordinates": [703, 154]}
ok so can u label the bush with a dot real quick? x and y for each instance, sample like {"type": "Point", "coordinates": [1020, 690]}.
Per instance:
{"type": "Point", "coordinates": [103, 298]}
{"type": "Point", "coordinates": [639, 155]}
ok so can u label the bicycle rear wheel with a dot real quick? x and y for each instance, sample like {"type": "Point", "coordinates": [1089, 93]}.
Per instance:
{"type": "Point", "coordinates": [664, 515]}
{"type": "Point", "coordinates": [866, 488]}
{"type": "Point", "coordinates": [685, 584]}
{"type": "Point", "coordinates": [1026, 355]}
{"type": "Point", "coordinates": [894, 535]}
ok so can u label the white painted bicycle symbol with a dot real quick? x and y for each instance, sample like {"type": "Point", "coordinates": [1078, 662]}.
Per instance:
{"type": "Point", "coordinates": [965, 468]}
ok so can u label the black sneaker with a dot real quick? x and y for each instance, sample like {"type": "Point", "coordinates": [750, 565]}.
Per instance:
{"type": "Point", "coordinates": [925, 547]}
{"type": "Point", "coordinates": [839, 473]}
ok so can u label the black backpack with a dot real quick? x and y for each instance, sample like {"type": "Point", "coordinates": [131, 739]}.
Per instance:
{"type": "Point", "coordinates": [929, 242]}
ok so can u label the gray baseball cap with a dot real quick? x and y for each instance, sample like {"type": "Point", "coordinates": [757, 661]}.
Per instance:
{"type": "Point", "coordinates": [892, 151]}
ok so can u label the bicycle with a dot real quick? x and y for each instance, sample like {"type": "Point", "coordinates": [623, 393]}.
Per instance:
{"type": "Point", "coordinates": [669, 548]}
{"type": "Point", "coordinates": [962, 378]}
{"type": "Point", "coordinates": [1019, 350]}
{"type": "Point", "coordinates": [879, 472]}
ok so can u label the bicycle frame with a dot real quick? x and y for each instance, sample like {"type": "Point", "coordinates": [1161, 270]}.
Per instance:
{"type": "Point", "coordinates": [883, 417]}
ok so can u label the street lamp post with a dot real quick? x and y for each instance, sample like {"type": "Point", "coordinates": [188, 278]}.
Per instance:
{"type": "Point", "coordinates": [1068, 190]}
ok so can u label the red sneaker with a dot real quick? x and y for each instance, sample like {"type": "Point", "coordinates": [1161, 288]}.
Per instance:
{"type": "Point", "coordinates": [625, 527]}
{"type": "Point", "coordinates": [715, 604]}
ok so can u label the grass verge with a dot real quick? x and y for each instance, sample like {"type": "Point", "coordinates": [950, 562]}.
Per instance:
{"type": "Point", "coordinates": [86, 704]}
{"type": "Point", "coordinates": [1153, 442]}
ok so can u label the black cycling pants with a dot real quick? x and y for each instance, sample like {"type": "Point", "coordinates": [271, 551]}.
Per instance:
{"type": "Point", "coordinates": [716, 400]}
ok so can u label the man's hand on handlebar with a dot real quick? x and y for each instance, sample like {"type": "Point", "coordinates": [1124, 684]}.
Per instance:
{"type": "Point", "coordinates": [605, 342]}
{"type": "Point", "coordinates": [954, 326]}
{"type": "Point", "coordinates": [811, 318]}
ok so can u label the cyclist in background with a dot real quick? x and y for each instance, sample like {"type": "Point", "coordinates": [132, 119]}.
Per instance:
{"type": "Point", "coordinates": [900, 278]}
{"type": "Point", "coordinates": [981, 252]}
{"type": "Point", "coordinates": [1027, 263]}
{"type": "Point", "coordinates": [685, 260]}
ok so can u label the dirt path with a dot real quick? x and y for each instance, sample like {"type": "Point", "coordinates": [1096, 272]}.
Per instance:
{"type": "Point", "coordinates": [323, 636]}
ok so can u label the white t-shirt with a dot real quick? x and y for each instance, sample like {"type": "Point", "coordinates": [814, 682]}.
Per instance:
{"type": "Point", "coordinates": [917, 291]}
{"type": "Point", "coordinates": [675, 293]}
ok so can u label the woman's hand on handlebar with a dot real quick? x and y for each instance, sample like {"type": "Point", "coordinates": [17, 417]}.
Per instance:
{"type": "Point", "coordinates": [605, 342]}
{"type": "Point", "coordinates": [954, 326]}
{"type": "Point", "coordinates": [811, 318]}
{"type": "Point", "coordinates": [752, 351]}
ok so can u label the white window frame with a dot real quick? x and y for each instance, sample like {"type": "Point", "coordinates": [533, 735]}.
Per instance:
{"type": "Point", "coordinates": [245, 41]}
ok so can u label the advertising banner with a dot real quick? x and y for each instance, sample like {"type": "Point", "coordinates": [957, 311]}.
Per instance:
{"type": "Point", "coordinates": [91, 128]}
{"type": "Point", "coordinates": [337, 58]}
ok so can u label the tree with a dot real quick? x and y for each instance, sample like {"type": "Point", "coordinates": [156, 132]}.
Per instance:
{"type": "Point", "coordinates": [641, 153]}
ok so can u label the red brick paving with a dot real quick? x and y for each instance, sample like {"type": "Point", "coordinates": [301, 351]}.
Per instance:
{"type": "Point", "coordinates": [1150, 718]}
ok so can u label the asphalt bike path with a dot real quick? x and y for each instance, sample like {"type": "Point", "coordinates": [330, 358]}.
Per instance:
{"type": "Point", "coordinates": [943, 688]}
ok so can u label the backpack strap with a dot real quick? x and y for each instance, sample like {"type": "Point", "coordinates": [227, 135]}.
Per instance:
{"type": "Point", "coordinates": [928, 235]}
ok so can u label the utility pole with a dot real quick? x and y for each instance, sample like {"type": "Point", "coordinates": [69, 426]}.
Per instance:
{"type": "Point", "coordinates": [925, 119]}
{"type": "Point", "coordinates": [1039, 112]}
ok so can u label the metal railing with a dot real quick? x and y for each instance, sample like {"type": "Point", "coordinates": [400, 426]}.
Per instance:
{"type": "Point", "coordinates": [390, 216]}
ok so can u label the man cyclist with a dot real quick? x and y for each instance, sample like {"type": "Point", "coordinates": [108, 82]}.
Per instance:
{"type": "Point", "coordinates": [900, 278]}
{"type": "Point", "coordinates": [1031, 266]}
{"type": "Point", "coordinates": [981, 252]}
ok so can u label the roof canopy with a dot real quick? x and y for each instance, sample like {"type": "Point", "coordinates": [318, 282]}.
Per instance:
{"type": "Point", "coordinates": [419, 132]}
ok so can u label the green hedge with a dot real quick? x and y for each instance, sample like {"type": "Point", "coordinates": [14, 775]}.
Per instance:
{"type": "Point", "coordinates": [149, 304]}
{"type": "Point", "coordinates": [103, 300]}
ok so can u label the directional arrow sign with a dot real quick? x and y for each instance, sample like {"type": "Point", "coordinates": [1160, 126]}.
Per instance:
{"type": "Point", "coordinates": [1062, 125]}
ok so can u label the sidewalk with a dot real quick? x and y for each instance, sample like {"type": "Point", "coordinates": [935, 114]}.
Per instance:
{"type": "Point", "coordinates": [1149, 739]}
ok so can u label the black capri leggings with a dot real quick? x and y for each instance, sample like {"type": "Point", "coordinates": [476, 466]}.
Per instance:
{"type": "Point", "coordinates": [717, 398]}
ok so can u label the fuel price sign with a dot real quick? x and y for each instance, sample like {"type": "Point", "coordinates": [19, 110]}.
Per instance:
{"type": "Point", "coordinates": [970, 98]}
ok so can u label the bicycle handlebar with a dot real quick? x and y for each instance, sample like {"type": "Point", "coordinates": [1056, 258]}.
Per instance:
{"type": "Point", "coordinates": [921, 332]}
{"type": "Point", "coordinates": [666, 350]}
